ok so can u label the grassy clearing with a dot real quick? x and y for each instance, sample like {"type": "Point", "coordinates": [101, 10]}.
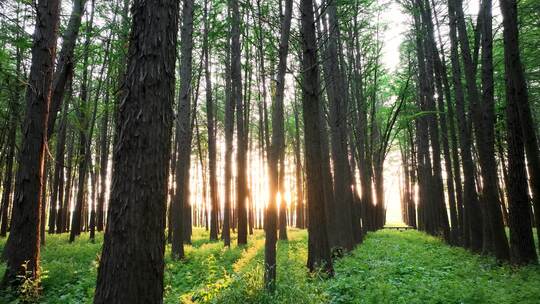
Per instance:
{"type": "Point", "coordinates": [389, 267]}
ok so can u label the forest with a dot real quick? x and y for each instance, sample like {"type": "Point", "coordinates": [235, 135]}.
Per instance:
{"type": "Point", "coordinates": [269, 151]}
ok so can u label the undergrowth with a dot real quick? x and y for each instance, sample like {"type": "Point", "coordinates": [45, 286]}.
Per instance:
{"type": "Point", "coordinates": [389, 267]}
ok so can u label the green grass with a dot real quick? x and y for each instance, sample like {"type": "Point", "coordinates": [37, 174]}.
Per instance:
{"type": "Point", "coordinates": [389, 267]}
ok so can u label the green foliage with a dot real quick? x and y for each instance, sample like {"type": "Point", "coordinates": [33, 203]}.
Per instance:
{"type": "Point", "coordinates": [389, 267]}
{"type": "Point", "coordinates": [410, 267]}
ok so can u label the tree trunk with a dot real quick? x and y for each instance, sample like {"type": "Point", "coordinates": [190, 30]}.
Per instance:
{"type": "Point", "coordinates": [300, 223]}
{"type": "Point", "coordinates": [276, 158]}
{"type": "Point", "coordinates": [65, 64]}
{"type": "Point", "coordinates": [183, 132]}
{"type": "Point", "coordinates": [8, 174]}
{"type": "Point", "coordinates": [104, 164]}
{"type": "Point", "coordinates": [229, 133]}
{"type": "Point", "coordinates": [486, 141]}
{"type": "Point", "coordinates": [472, 222]}
{"type": "Point", "coordinates": [336, 88]}
{"type": "Point", "coordinates": [132, 265]}
{"type": "Point", "coordinates": [241, 147]}
{"type": "Point", "coordinates": [318, 248]}
{"type": "Point", "coordinates": [514, 70]}
{"type": "Point", "coordinates": [22, 248]}
{"type": "Point", "coordinates": [57, 197]}
{"type": "Point", "coordinates": [84, 138]}
{"type": "Point", "coordinates": [520, 135]}
{"type": "Point", "coordinates": [211, 125]}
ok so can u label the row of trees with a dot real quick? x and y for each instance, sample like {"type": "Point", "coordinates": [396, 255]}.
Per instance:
{"type": "Point", "coordinates": [471, 101]}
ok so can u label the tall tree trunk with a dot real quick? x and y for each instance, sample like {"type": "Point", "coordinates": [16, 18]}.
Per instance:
{"type": "Point", "coordinates": [336, 88]}
{"type": "Point", "coordinates": [439, 201]}
{"type": "Point", "coordinates": [84, 137]}
{"type": "Point", "coordinates": [241, 147]}
{"type": "Point", "coordinates": [520, 135]}
{"type": "Point", "coordinates": [58, 181]}
{"type": "Point", "coordinates": [132, 265]}
{"type": "Point", "coordinates": [211, 125]}
{"type": "Point", "coordinates": [472, 233]}
{"type": "Point", "coordinates": [22, 250]}
{"type": "Point", "coordinates": [362, 145]}
{"type": "Point", "coordinates": [183, 132]}
{"type": "Point", "coordinates": [229, 133]}
{"type": "Point", "coordinates": [318, 247]}
{"type": "Point", "coordinates": [486, 139]}
{"type": "Point", "coordinates": [519, 94]}
{"type": "Point", "coordinates": [65, 63]}
{"type": "Point", "coordinates": [300, 223]}
{"type": "Point", "coordinates": [276, 157]}
{"type": "Point", "coordinates": [104, 165]}
{"type": "Point", "coordinates": [448, 127]}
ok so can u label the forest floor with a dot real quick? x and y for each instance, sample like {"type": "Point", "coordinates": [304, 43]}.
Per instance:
{"type": "Point", "coordinates": [389, 267]}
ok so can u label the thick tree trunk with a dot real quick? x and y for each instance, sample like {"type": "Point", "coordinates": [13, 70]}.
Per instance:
{"type": "Point", "coordinates": [318, 248]}
{"type": "Point", "coordinates": [520, 135]}
{"type": "Point", "coordinates": [338, 104]}
{"type": "Point", "coordinates": [486, 139]}
{"type": "Point", "coordinates": [514, 70]}
{"type": "Point", "coordinates": [22, 250]}
{"type": "Point", "coordinates": [132, 265]}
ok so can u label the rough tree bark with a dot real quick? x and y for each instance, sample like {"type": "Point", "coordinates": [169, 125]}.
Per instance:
{"type": "Point", "coordinates": [132, 265]}
{"type": "Point", "coordinates": [22, 250]}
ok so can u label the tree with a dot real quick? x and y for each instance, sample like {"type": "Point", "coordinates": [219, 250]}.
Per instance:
{"type": "Point", "coordinates": [131, 266]}
{"type": "Point", "coordinates": [183, 131]}
{"type": "Point", "coordinates": [85, 137]}
{"type": "Point", "coordinates": [520, 134]}
{"type": "Point", "coordinates": [211, 125]}
{"type": "Point", "coordinates": [338, 103]}
{"type": "Point", "coordinates": [472, 233]}
{"type": "Point", "coordinates": [241, 143]}
{"type": "Point", "coordinates": [277, 153]}
{"type": "Point", "coordinates": [486, 139]}
{"type": "Point", "coordinates": [22, 249]}
{"type": "Point", "coordinates": [318, 247]}
{"type": "Point", "coordinates": [66, 62]}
